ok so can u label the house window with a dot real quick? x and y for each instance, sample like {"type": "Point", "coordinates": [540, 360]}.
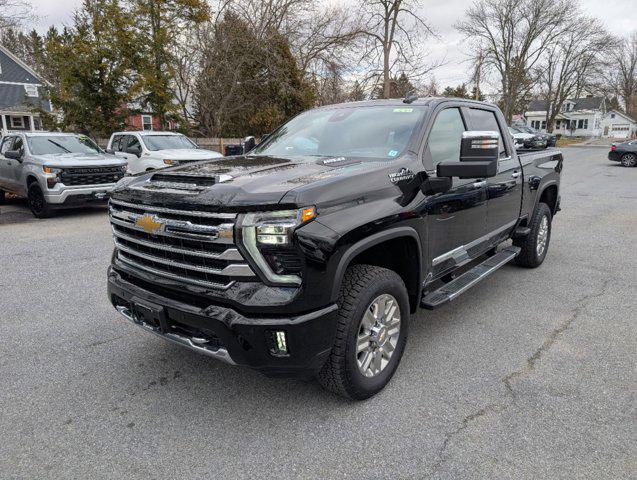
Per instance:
{"type": "Point", "coordinates": [582, 124]}
{"type": "Point", "coordinates": [543, 125]}
{"type": "Point", "coordinates": [32, 90]}
{"type": "Point", "coordinates": [612, 115]}
{"type": "Point", "coordinates": [558, 124]}
{"type": "Point", "coordinates": [17, 122]}
{"type": "Point", "coordinates": [37, 124]}
{"type": "Point", "coordinates": [147, 122]}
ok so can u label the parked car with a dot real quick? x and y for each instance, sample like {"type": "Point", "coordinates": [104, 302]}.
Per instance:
{"type": "Point", "coordinates": [625, 153]}
{"type": "Point", "coordinates": [551, 139]}
{"type": "Point", "coordinates": [150, 150]}
{"type": "Point", "coordinates": [55, 170]}
{"type": "Point", "coordinates": [527, 140]}
{"type": "Point", "coordinates": [308, 255]}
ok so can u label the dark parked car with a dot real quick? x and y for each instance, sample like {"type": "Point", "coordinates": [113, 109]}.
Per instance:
{"type": "Point", "coordinates": [550, 138]}
{"type": "Point", "coordinates": [307, 255]}
{"type": "Point", "coordinates": [625, 152]}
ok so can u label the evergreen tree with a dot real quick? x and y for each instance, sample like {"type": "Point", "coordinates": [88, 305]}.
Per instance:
{"type": "Point", "coordinates": [93, 68]}
{"type": "Point", "coordinates": [158, 23]}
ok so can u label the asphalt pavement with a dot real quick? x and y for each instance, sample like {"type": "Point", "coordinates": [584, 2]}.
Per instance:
{"type": "Point", "coordinates": [530, 374]}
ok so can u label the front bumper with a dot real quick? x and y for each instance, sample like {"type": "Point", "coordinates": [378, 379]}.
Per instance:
{"type": "Point", "coordinates": [226, 334]}
{"type": "Point", "coordinates": [78, 195]}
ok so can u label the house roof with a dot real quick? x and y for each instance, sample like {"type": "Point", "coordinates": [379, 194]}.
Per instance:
{"type": "Point", "coordinates": [13, 98]}
{"type": "Point", "coordinates": [15, 70]}
{"type": "Point", "coordinates": [586, 103]}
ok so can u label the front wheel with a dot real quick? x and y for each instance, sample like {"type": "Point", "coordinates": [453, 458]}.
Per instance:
{"type": "Point", "coordinates": [629, 160]}
{"type": "Point", "coordinates": [373, 322]}
{"type": "Point", "coordinates": [37, 203]}
{"type": "Point", "coordinates": [535, 245]}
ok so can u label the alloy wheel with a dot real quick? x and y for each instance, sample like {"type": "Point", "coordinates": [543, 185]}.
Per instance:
{"type": "Point", "coordinates": [378, 335]}
{"type": "Point", "coordinates": [542, 236]}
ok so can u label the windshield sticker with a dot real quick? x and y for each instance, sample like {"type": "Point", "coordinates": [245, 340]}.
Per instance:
{"type": "Point", "coordinates": [392, 153]}
{"type": "Point", "coordinates": [403, 110]}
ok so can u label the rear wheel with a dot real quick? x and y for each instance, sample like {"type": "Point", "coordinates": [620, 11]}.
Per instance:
{"type": "Point", "coordinates": [629, 160]}
{"type": "Point", "coordinates": [37, 203]}
{"type": "Point", "coordinates": [372, 329]}
{"type": "Point", "coordinates": [535, 245]}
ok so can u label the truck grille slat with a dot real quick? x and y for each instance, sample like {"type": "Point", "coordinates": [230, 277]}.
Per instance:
{"type": "Point", "coordinates": [90, 175]}
{"type": "Point", "coordinates": [186, 246]}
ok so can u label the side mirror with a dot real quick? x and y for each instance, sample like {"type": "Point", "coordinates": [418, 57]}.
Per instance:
{"type": "Point", "coordinates": [110, 151]}
{"type": "Point", "coordinates": [13, 154]}
{"type": "Point", "coordinates": [134, 151]}
{"type": "Point", "coordinates": [248, 144]}
{"type": "Point", "coordinates": [479, 153]}
{"type": "Point", "coordinates": [433, 185]}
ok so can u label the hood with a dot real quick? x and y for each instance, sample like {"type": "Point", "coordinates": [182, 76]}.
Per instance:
{"type": "Point", "coordinates": [79, 160]}
{"type": "Point", "coordinates": [187, 154]}
{"type": "Point", "coordinates": [247, 181]}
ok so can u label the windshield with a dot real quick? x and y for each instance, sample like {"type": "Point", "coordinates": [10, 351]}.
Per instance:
{"type": "Point", "coordinates": [59, 144]}
{"type": "Point", "coordinates": [167, 142]}
{"type": "Point", "coordinates": [369, 132]}
{"type": "Point", "coordinates": [527, 129]}
{"type": "Point", "coordinates": [514, 130]}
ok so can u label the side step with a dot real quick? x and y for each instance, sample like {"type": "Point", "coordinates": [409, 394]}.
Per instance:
{"type": "Point", "coordinates": [464, 282]}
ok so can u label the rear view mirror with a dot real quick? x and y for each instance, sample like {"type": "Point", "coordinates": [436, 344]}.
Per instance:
{"type": "Point", "coordinates": [248, 144]}
{"type": "Point", "coordinates": [479, 153]}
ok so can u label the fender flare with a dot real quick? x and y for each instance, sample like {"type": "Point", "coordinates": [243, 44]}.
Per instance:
{"type": "Point", "coordinates": [541, 188]}
{"type": "Point", "coordinates": [368, 242]}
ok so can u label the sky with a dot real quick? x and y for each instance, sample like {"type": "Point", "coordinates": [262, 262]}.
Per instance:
{"type": "Point", "coordinates": [619, 16]}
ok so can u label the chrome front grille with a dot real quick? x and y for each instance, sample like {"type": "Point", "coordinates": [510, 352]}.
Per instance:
{"type": "Point", "coordinates": [192, 247]}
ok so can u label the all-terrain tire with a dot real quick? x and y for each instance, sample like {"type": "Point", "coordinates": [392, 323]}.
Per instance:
{"type": "Point", "coordinates": [530, 256]}
{"type": "Point", "coordinates": [361, 285]}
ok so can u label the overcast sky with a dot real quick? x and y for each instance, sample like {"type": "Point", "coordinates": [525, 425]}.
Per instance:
{"type": "Point", "coordinates": [619, 16]}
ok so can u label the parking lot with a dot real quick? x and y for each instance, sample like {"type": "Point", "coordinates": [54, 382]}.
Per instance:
{"type": "Point", "coordinates": [531, 374]}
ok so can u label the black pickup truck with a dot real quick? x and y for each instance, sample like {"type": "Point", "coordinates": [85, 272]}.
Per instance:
{"type": "Point", "coordinates": [307, 255]}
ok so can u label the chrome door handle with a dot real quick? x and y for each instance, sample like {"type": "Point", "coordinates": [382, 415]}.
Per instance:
{"type": "Point", "coordinates": [480, 184]}
{"type": "Point", "coordinates": [516, 174]}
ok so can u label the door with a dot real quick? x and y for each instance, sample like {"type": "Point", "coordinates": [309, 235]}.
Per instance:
{"type": "Point", "coordinates": [14, 167]}
{"type": "Point", "coordinates": [118, 145]}
{"type": "Point", "coordinates": [504, 191]}
{"type": "Point", "coordinates": [7, 164]}
{"type": "Point", "coordinates": [456, 220]}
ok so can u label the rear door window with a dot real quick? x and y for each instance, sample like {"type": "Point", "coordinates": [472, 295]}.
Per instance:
{"type": "Point", "coordinates": [485, 120]}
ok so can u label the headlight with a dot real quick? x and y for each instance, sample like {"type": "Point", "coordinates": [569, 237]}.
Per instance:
{"type": "Point", "coordinates": [267, 237]}
{"type": "Point", "coordinates": [53, 170]}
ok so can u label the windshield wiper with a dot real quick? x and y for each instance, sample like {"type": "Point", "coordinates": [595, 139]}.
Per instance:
{"type": "Point", "coordinates": [58, 145]}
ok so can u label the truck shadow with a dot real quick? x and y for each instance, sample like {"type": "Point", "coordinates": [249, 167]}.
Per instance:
{"type": "Point", "coordinates": [15, 210]}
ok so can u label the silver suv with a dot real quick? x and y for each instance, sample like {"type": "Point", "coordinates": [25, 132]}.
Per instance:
{"type": "Point", "coordinates": [56, 170]}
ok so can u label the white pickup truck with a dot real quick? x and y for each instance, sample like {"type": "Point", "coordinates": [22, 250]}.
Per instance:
{"type": "Point", "coordinates": [149, 150]}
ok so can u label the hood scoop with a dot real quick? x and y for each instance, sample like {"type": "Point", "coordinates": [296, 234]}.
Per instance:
{"type": "Point", "coordinates": [182, 182]}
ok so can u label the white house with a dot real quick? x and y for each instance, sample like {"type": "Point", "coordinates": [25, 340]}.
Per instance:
{"type": "Point", "coordinates": [579, 117]}
{"type": "Point", "coordinates": [618, 125]}
{"type": "Point", "coordinates": [20, 93]}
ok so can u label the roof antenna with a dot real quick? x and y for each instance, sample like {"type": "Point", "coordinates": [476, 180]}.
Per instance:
{"type": "Point", "coordinates": [410, 97]}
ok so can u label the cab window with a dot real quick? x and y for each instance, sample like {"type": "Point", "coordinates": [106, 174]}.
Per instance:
{"type": "Point", "coordinates": [485, 120]}
{"type": "Point", "coordinates": [445, 137]}
{"type": "Point", "coordinates": [6, 144]}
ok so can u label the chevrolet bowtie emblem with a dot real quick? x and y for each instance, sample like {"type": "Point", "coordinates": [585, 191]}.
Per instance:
{"type": "Point", "coordinates": [149, 223]}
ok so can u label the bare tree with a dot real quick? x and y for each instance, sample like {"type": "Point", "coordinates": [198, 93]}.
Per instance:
{"type": "Point", "coordinates": [394, 34]}
{"type": "Point", "coordinates": [14, 12]}
{"type": "Point", "coordinates": [513, 36]}
{"type": "Point", "coordinates": [623, 73]}
{"type": "Point", "coordinates": [572, 64]}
